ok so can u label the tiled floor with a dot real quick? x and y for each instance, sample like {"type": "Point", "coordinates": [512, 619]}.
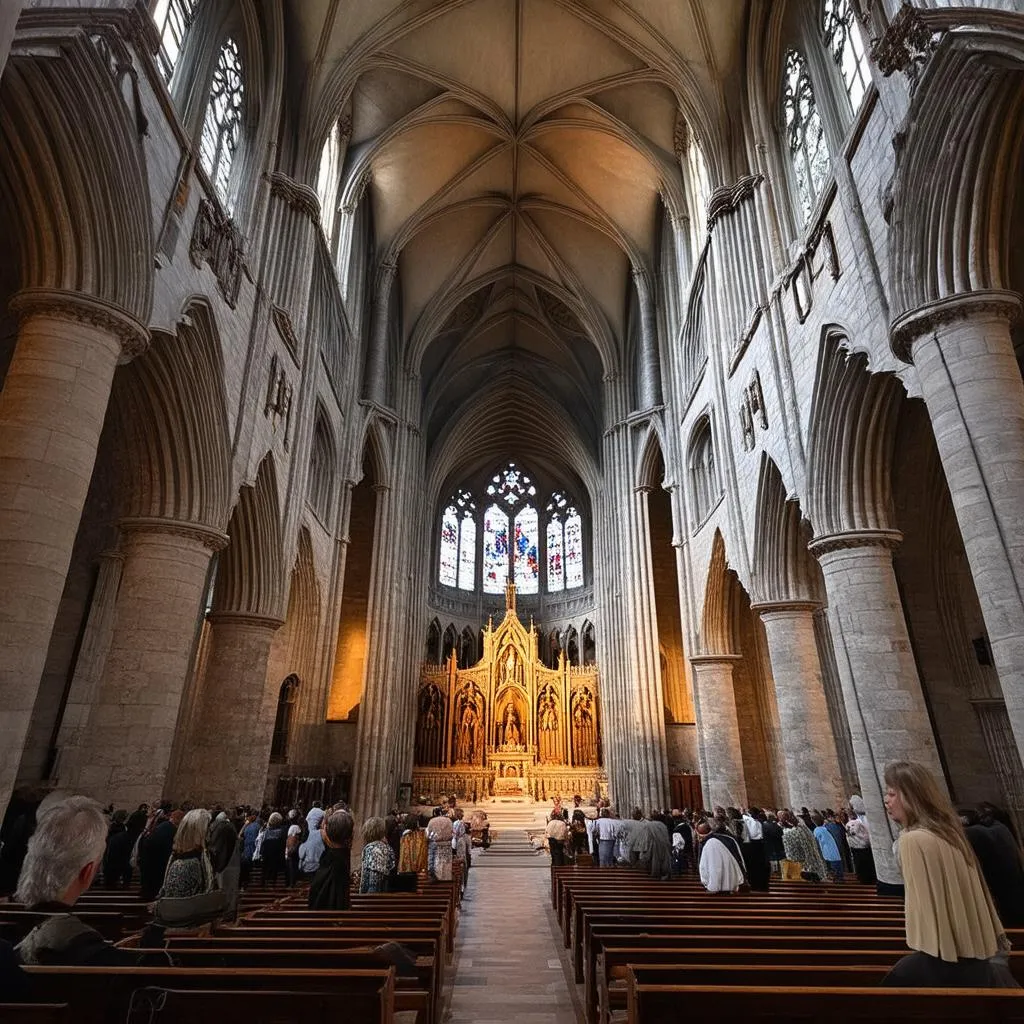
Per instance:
{"type": "Point", "coordinates": [509, 960]}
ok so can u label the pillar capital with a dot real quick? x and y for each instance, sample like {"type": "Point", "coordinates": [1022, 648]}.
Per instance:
{"type": "Point", "coordinates": [807, 606]}
{"type": "Point", "coordinates": [79, 308]}
{"type": "Point", "coordinates": [213, 539]}
{"type": "Point", "coordinates": [271, 623]}
{"type": "Point", "coordinates": [849, 539]}
{"type": "Point", "coordinates": [990, 303]}
{"type": "Point", "coordinates": [714, 659]}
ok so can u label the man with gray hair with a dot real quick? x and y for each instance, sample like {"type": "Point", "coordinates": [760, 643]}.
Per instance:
{"type": "Point", "coordinates": [64, 855]}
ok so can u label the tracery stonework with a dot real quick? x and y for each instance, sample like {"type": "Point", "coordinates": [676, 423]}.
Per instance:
{"type": "Point", "coordinates": [508, 726]}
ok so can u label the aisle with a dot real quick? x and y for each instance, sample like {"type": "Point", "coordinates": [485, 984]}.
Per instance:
{"type": "Point", "coordinates": [509, 960]}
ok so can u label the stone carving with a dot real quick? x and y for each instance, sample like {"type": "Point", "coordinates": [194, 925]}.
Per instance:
{"type": "Point", "coordinates": [283, 322]}
{"type": "Point", "coordinates": [216, 241]}
{"type": "Point", "coordinates": [118, 59]}
{"type": "Point", "coordinates": [430, 725]}
{"type": "Point", "coordinates": [278, 406]}
{"type": "Point", "coordinates": [726, 198]}
{"type": "Point", "coordinates": [559, 313]}
{"type": "Point", "coordinates": [755, 400]}
{"type": "Point", "coordinates": [747, 427]}
{"type": "Point", "coordinates": [905, 45]}
{"type": "Point", "coordinates": [584, 732]}
{"type": "Point", "coordinates": [299, 197]}
{"type": "Point", "coordinates": [681, 136]}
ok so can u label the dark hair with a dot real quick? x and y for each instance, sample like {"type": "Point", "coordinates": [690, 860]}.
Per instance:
{"type": "Point", "coordinates": [338, 828]}
{"type": "Point", "coordinates": [817, 818]}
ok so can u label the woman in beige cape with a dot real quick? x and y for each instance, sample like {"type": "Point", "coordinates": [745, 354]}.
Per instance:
{"type": "Point", "coordinates": [951, 922]}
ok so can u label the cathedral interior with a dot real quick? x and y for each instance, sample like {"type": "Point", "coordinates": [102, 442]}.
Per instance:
{"type": "Point", "coordinates": [517, 397]}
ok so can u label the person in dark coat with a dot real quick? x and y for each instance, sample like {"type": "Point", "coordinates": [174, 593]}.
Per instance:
{"type": "Point", "coordinates": [117, 860]}
{"type": "Point", "coordinates": [1000, 862]}
{"type": "Point", "coordinates": [774, 850]}
{"type": "Point", "coordinates": [155, 851]}
{"type": "Point", "coordinates": [272, 849]}
{"type": "Point", "coordinates": [330, 887]}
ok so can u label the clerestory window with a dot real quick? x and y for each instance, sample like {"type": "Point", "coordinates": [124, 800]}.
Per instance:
{"type": "Point", "coordinates": [222, 126]}
{"type": "Point", "coordinates": [805, 136]}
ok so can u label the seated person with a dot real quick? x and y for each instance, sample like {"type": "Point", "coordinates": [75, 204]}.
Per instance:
{"type": "Point", "coordinates": [64, 856]}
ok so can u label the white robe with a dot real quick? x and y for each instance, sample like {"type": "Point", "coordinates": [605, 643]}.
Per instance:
{"type": "Point", "coordinates": [719, 871]}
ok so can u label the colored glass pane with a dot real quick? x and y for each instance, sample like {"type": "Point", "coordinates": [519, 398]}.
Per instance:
{"type": "Point", "coordinates": [496, 551]}
{"type": "Point", "coordinates": [467, 553]}
{"type": "Point", "coordinates": [449, 574]}
{"type": "Point", "coordinates": [527, 565]}
{"type": "Point", "coordinates": [573, 550]}
{"type": "Point", "coordinates": [556, 566]}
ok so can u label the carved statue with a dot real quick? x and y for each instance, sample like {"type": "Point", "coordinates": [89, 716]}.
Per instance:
{"type": "Point", "coordinates": [547, 724]}
{"type": "Point", "coordinates": [465, 748]}
{"type": "Point", "coordinates": [584, 734]}
{"type": "Point", "coordinates": [428, 726]}
{"type": "Point", "coordinates": [511, 727]}
{"type": "Point", "coordinates": [508, 668]}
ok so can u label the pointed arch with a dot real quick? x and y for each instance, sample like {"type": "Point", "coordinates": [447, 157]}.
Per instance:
{"type": "Point", "coordinates": [850, 441]}
{"type": "Point", "coordinates": [450, 641]}
{"type": "Point", "coordinates": [433, 651]}
{"type": "Point", "coordinates": [250, 576]}
{"type": "Point", "coordinates": [650, 471]}
{"type": "Point", "coordinates": [718, 635]}
{"type": "Point", "coordinates": [783, 568]}
{"type": "Point", "coordinates": [171, 412]}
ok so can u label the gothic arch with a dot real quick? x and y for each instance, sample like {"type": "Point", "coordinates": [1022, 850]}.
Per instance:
{"type": "Point", "coordinates": [322, 462]}
{"type": "Point", "coordinates": [783, 568]}
{"type": "Point", "coordinates": [718, 635]}
{"type": "Point", "coordinates": [171, 418]}
{"type": "Point", "coordinates": [433, 651]}
{"type": "Point", "coordinates": [250, 575]}
{"type": "Point", "coordinates": [850, 441]}
{"type": "Point", "coordinates": [72, 171]}
{"type": "Point", "coordinates": [650, 471]}
{"type": "Point", "coordinates": [449, 642]}
{"type": "Point", "coordinates": [958, 171]}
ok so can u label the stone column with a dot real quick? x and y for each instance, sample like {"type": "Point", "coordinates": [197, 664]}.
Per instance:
{"type": "Point", "coordinates": [52, 409]}
{"type": "Point", "coordinates": [812, 765]}
{"type": "Point", "coordinates": [124, 751]}
{"type": "Point", "coordinates": [881, 689]}
{"type": "Point", "coordinates": [649, 383]}
{"type": "Point", "coordinates": [963, 350]}
{"type": "Point", "coordinates": [719, 729]}
{"type": "Point", "coordinates": [376, 376]}
{"type": "Point", "coordinates": [229, 748]}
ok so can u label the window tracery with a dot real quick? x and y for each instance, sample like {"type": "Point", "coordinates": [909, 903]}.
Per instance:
{"type": "Point", "coordinates": [222, 125]}
{"type": "Point", "coordinates": [844, 42]}
{"type": "Point", "coordinates": [329, 180]}
{"type": "Point", "coordinates": [458, 542]}
{"type": "Point", "coordinates": [173, 19]}
{"type": "Point", "coordinates": [703, 475]}
{"type": "Point", "coordinates": [805, 135]}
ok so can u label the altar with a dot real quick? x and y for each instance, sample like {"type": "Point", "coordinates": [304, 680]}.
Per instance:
{"type": "Point", "coordinates": [508, 726]}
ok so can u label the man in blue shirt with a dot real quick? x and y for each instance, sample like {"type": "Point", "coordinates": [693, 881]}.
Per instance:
{"type": "Point", "coordinates": [829, 849]}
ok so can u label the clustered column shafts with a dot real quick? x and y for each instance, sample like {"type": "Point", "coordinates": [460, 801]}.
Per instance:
{"type": "Point", "coordinates": [52, 408]}
{"type": "Point", "coordinates": [812, 765]}
{"type": "Point", "coordinates": [881, 689]}
{"type": "Point", "coordinates": [125, 751]}
{"type": "Point", "coordinates": [964, 353]}
{"type": "Point", "coordinates": [376, 376]}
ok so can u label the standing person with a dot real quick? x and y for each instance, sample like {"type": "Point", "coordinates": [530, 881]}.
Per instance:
{"type": "Point", "coordinates": [292, 842]}
{"type": "Point", "coordinates": [755, 851]}
{"type": "Point", "coordinates": [155, 851]}
{"type": "Point", "coordinates": [225, 849]}
{"type": "Point", "coordinates": [378, 857]}
{"type": "Point", "coordinates": [773, 848]}
{"type": "Point", "coordinates": [189, 872]}
{"type": "Point", "coordinates": [117, 860]}
{"type": "Point", "coordinates": [332, 883]}
{"type": "Point", "coordinates": [250, 833]}
{"type": "Point", "coordinates": [557, 833]}
{"type": "Point", "coordinates": [951, 923]}
{"type": "Point", "coordinates": [312, 849]}
{"type": "Point", "coordinates": [412, 853]}
{"type": "Point", "coordinates": [439, 852]}
{"type": "Point", "coordinates": [858, 835]}
{"type": "Point", "coordinates": [605, 829]}
{"type": "Point", "coordinates": [721, 860]}
{"type": "Point", "coordinates": [271, 849]}
{"type": "Point", "coordinates": [1000, 863]}
{"type": "Point", "coordinates": [462, 846]}
{"type": "Point", "coordinates": [578, 833]}
{"type": "Point", "coordinates": [827, 845]}
{"type": "Point", "coordinates": [801, 850]}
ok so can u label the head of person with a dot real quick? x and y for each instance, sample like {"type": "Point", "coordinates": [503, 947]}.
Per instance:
{"type": "Point", "coordinates": [458, 814]}
{"type": "Point", "coordinates": [578, 815]}
{"type": "Point", "coordinates": [638, 815]}
{"type": "Point", "coordinates": [337, 828]}
{"type": "Point", "coordinates": [817, 819]}
{"type": "Point", "coordinates": [64, 853]}
{"type": "Point", "coordinates": [275, 820]}
{"type": "Point", "coordinates": [733, 813]}
{"type": "Point", "coordinates": [412, 822]}
{"type": "Point", "coordinates": [577, 800]}
{"type": "Point", "coordinates": [437, 812]}
{"type": "Point", "coordinates": [969, 816]}
{"type": "Point", "coordinates": [604, 812]}
{"type": "Point", "coordinates": [857, 806]}
{"type": "Point", "coordinates": [191, 834]}
{"type": "Point", "coordinates": [373, 829]}
{"type": "Point", "coordinates": [914, 799]}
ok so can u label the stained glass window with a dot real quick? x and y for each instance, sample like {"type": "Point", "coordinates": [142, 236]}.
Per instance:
{"type": "Point", "coordinates": [556, 566]}
{"type": "Point", "coordinates": [467, 552]}
{"type": "Point", "coordinates": [328, 180]}
{"type": "Point", "coordinates": [805, 136]}
{"type": "Point", "coordinates": [222, 126]}
{"type": "Point", "coordinates": [496, 551]}
{"type": "Point", "coordinates": [449, 574]}
{"type": "Point", "coordinates": [844, 42]}
{"type": "Point", "coordinates": [511, 486]}
{"type": "Point", "coordinates": [573, 550]}
{"type": "Point", "coordinates": [172, 18]}
{"type": "Point", "coordinates": [527, 565]}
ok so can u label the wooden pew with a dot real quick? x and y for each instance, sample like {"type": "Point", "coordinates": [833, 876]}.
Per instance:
{"type": "Point", "coordinates": [661, 1004]}
{"type": "Point", "coordinates": [102, 995]}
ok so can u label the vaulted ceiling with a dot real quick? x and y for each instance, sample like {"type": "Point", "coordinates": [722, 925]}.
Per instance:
{"type": "Point", "coordinates": [518, 155]}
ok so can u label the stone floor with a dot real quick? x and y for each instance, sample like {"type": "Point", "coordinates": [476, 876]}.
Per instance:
{"type": "Point", "coordinates": [509, 961]}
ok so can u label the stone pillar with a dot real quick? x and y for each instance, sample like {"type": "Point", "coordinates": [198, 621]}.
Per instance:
{"type": "Point", "coordinates": [963, 350]}
{"type": "Point", "coordinates": [649, 381]}
{"type": "Point", "coordinates": [229, 745]}
{"type": "Point", "coordinates": [812, 765]}
{"type": "Point", "coordinates": [881, 689]}
{"type": "Point", "coordinates": [52, 409]}
{"type": "Point", "coordinates": [376, 377]}
{"type": "Point", "coordinates": [124, 751]}
{"type": "Point", "coordinates": [718, 725]}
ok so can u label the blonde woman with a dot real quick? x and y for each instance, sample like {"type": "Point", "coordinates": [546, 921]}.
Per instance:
{"type": "Point", "coordinates": [951, 922]}
{"type": "Point", "coordinates": [189, 872]}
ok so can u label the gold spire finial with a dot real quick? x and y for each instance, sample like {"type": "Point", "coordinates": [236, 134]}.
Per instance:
{"type": "Point", "coordinates": [510, 596]}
